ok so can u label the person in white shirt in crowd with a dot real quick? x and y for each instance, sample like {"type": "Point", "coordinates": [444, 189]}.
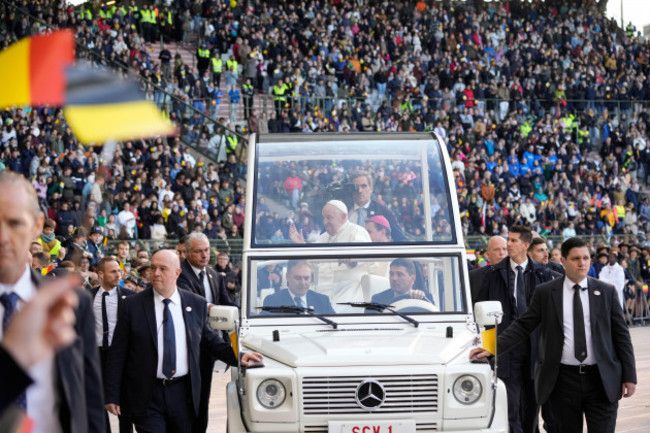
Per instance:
{"type": "Point", "coordinates": [614, 274]}
{"type": "Point", "coordinates": [126, 219]}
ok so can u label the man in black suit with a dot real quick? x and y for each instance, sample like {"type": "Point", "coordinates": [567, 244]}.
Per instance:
{"type": "Point", "coordinates": [402, 277]}
{"type": "Point", "coordinates": [197, 277]}
{"type": "Point", "coordinates": [512, 282]}
{"type": "Point", "coordinates": [67, 390]}
{"type": "Point", "coordinates": [364, 207]}
{"type": "Point", "coordinates": [538, 250]}
{"type": "Point", "coordinates": [588, 360]}
{"type": "Point", "coordinates": [496, 251]}
{"type": "Point", "coordinates": [43, 326]}
{"type": "Point", "coordinates": [108, 299]}
{"type": "Point", "coordinates": [298, 292]}
{"type": "Point", "coordinates": [153, 365]}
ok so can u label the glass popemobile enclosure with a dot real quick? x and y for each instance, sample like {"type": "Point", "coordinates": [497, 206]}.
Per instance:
{"type": "Point", "coordinates": [355, 290]}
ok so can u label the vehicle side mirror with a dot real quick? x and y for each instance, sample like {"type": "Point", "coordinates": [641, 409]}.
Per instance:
{"type": "Point", "coordinates": [223, 318]}
{"type": "Point", "coordinates": [488, 312]}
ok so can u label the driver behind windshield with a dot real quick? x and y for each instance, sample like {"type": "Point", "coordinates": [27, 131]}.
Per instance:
{"type": "Point", "coordinates": [402, 278]}
{"type": "Point", "coordinates": [298, 292]}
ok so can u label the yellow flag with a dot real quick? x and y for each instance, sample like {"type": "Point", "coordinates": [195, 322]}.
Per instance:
{"type": "Point", "coordinates": [490, 340]}
{"type": "Point", "coordinates": [233, 342]}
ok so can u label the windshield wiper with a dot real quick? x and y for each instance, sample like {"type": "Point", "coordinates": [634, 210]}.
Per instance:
{"type": "Point", "coordinates": [298, 310]}
{"type": "Point", "coordinates": [381, 307]}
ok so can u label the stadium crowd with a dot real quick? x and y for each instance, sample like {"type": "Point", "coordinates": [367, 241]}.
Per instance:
{"type": "Point", "coordinates": [543, 107]}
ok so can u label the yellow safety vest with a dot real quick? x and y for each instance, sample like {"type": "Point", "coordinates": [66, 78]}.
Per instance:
{"type": "Point", "coordinates": [620, 212]}
{"type": "Point", "coordinates": [232, 140]}
{"type": "Point", "coordinates": [232, 65]}
{"type": "Point", "coordinates": [217, 65]}
{"type": "Point", "coordinates": [278, 91]}
{"type": "Point", "coordinates": [204, 53]}
{"type": "Point", "coordinates": [144, 16]}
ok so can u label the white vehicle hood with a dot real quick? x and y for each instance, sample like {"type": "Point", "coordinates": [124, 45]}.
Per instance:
{"type": "Point", "coordinates": [368, 347]}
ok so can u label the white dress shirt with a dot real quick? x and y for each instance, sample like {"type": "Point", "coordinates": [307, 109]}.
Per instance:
{"type": "Point", "coordinates": [42, 402]}
{"type": "Point", "coordinates": [206, 284]}
{"type": "Point", "coordinates": [568, 349]}
{"type": "Point", "coordinates": [176, 310]}
{"type": "Point", "coordinates": [354, 215]}
{"type": "Point", "coordinates": [513, 266]}
{"type": "Point", "coordinates": [111, 312]}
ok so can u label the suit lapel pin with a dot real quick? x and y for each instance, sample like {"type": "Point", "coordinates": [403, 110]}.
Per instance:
{"type": "Point", "coordinates": [123, 296]}
{"type": "Point", "coordinates": [597, 293]}
{"type": "Point", "coordinates": [188, 309]}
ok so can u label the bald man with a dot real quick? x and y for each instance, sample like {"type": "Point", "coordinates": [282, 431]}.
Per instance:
{"type": "Point", "coordinates": [496, 251]}
{"type": "Point", "coordinates": [160, 335]}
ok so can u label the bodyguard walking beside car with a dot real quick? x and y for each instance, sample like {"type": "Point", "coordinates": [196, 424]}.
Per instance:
{"type": "Point", "coordinates": [586, 361]}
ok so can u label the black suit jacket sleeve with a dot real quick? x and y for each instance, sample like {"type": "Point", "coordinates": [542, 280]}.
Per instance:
{"type": "Point", "coordinates": [520, 329]}
{"type": "Point", "coordinates": [14, 379]}
{"type": "Point", "coordinates": [222, 298]}
{"type": "Point", "coordinates": [621, 340]}
{"type": "Point", "coordinates": [92, 371]}
{"type": "Point", "coordinates": [118, 354]}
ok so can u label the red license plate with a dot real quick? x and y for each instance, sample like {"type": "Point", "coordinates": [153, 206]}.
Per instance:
{"type": "Point", "coordinates": [397, 426]}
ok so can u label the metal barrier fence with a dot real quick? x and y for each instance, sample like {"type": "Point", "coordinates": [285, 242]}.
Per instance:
{"type": "Point", "coordinates": [474, 242]}
{"type": "Point", "coordinates": [167, 101]}
{"type": "Point", "coordinates": [234, 247]}
{"type": "Point", "coordinates": [325, 104]}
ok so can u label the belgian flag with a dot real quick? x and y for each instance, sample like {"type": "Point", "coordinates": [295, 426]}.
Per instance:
{"type": "Point", "coordinates": [98, 105]}
{"type": "Point", "coordinates": [32, 71]}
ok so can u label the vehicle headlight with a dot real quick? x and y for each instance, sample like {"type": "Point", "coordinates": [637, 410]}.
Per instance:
{"type": "Point", "coordinates": [271, 393]}
{"type": "Point", "coordinates": [467, 389]}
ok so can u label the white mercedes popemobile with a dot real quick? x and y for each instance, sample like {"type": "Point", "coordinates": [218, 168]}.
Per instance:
{"type": "Point", "coordinates": [355, 290]}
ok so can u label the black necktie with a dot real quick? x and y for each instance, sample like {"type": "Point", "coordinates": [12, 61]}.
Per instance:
{"type": "Point", "coordinates": [169, 342]}
{"type": "Point", "coordinates": [579, 337]}
{"type": "Point", "coordinates": [205, 291]}
{"type": "Point", "coordinates": [521, 292]}
{"type": "Point", "coordinates": [10, 301]}
{"type": "Point", "coordinates": [104, 322]}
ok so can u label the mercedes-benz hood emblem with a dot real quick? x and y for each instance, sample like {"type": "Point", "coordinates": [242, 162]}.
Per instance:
{"type": "Point", "coordinates": [370, 394]}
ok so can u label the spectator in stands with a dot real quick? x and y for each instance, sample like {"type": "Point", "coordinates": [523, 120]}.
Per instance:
{"type": "Point", "coordinates": [49, 243]}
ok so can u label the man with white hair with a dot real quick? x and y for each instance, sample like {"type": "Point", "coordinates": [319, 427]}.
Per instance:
{"type": "Point", "coordinates": [339, 279]}
{"type": "Point", "coordinates": [337, 227]}
{"type": "Point", "coordinates": [198, 277]}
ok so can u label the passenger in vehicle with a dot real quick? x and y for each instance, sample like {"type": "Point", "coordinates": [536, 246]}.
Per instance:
{"type": "Point", "coordinates": [380, 231]}
{"type": "Point", "coordinates": [337, 226]}
{"type": "Point", "coordinates": [298, 292]}
{"type": "Point", "coordinates": [340, 280]}
{"type": "Point", "coordinates": [402, 279]}
{"type": "Point", "coordinates": [378, 228]}
{"type": "Point", "coordinates": [365, 208]}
